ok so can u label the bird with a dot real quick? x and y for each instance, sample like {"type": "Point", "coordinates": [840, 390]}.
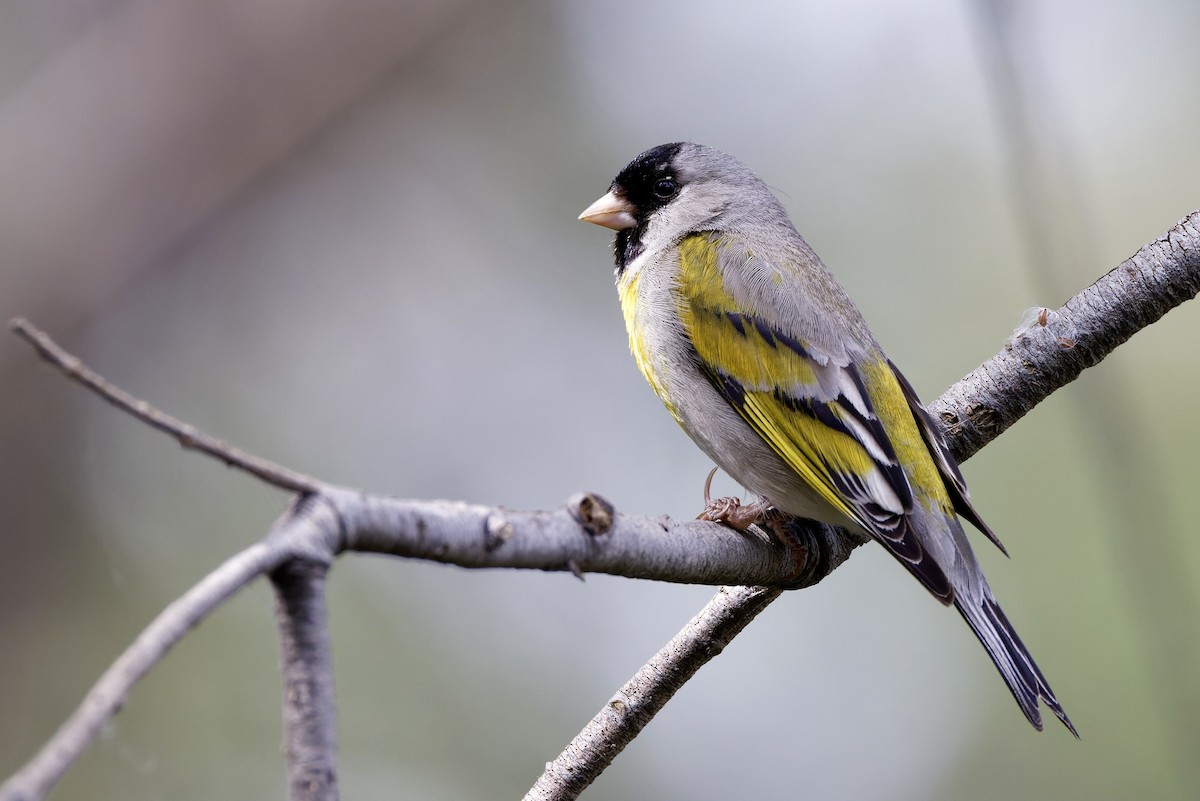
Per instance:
{"type": "Point", "coordinates": [766, 363]}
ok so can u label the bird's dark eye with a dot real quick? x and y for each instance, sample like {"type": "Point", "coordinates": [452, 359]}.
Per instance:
{"type": "Point", "coordinates": [665, 188]}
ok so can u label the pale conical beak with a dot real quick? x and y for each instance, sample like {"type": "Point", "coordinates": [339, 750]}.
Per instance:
{"type": "Point", "coordinates": [611, 211]}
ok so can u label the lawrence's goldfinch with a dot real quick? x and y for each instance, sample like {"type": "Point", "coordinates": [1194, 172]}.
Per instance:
{"type": "Point", "coordinates": [765, 362]}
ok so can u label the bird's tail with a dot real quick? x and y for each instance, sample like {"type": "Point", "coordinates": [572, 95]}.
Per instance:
{"type": "Point", "coordinates": [1020, 672]}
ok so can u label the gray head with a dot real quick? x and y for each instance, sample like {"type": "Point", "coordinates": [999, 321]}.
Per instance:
{"type": "Point", "coordinates": [676, 189]}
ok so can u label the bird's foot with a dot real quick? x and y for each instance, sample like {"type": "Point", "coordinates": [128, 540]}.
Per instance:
{"type": "Point", "coordinates": [731, 511]}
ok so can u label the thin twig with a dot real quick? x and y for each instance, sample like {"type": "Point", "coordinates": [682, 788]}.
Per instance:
{"type": "Point", "coordinates": [35, 779]}
{"type": "Point", "coordinates": [307, 531]}
{"type": "Point", "coordinates": [640, 699]}
{"type": "Point", "coordinates": [188, 436]}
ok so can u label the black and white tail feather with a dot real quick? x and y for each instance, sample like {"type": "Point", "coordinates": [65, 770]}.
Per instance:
{"type": "Point", "coordinates": [1025, 681]}
{"type": "Point", "coordinates": [970, 594]}
{"type": "Point", "coordinates": [967, 588]}
{"type": "Point", "coordinates": [982, 613]}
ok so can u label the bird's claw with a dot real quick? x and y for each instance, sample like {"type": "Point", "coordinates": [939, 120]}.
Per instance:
{"type": "Point", "coordinates": [730, 511]}
{"type": "Point", "coordinates": [733, 513]}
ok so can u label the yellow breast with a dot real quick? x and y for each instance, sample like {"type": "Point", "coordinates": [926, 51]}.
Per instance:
{"type": "Point", "coordinates": [634, 324]}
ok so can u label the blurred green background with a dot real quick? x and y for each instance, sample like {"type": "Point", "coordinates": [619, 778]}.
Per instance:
{"type": "Point", "coordinates": [343, 236]}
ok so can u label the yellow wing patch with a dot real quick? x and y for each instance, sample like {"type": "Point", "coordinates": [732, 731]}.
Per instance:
{"type": "Point", "coordinates": [727, 337]}
{"type": "Point", "coordinates": [894, 412]}
{"type": "Point", "coordinates": [808, 447]}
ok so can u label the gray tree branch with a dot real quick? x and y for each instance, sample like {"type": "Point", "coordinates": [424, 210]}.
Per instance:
{"type": "Point", "coordinates": [586, 536]}
{"type": "Point", "coordinates": [1046, 357]}
{"type": "Point", "coordinates": [309, 706]}
{"type": "Point", "coordinates": [577, 539]}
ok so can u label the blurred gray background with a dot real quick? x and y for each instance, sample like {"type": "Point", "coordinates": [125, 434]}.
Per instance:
{"type": "Point", "coordinates": [343, 236]}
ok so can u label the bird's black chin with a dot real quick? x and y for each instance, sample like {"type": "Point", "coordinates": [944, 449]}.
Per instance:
{"type": "Point", "coordinates": [628, 246]}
